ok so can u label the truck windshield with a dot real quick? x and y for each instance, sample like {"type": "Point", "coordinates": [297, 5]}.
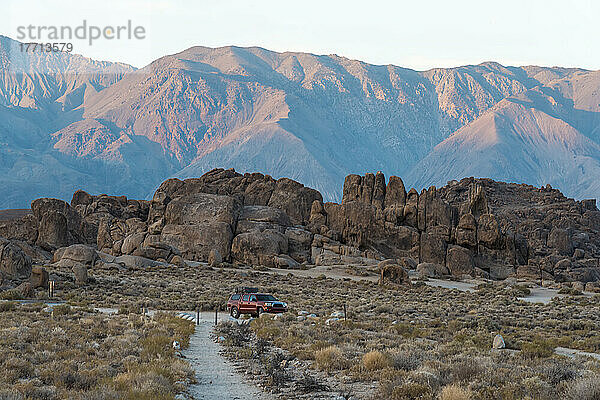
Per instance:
{"type": "Point", "coordinates": [265, 297]}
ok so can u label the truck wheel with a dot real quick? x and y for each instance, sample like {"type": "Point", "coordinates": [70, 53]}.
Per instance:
{"type": "Point", "coordinates": [235, 313]}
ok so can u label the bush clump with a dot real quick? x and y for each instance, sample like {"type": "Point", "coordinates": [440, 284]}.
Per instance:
{"type": "Point", "coordinates": [329, 358]}
{"type": "Point", "coordinates": [375, 360]}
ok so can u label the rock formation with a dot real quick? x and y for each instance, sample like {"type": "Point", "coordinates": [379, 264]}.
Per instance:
{"type": "Point", "coordinates": [475, 227]}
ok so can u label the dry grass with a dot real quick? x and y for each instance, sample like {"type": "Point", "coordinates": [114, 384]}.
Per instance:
{"type": "Point", "coordinates": [375, 360]}
{"type": "Point", "coordinates": [329, 359]}
{"type": "Point", "coordinates": [455, 392]}
{"type": "Point", "coordinates": [74, 353]}
{"type": "Point", "coordinates": [433, 337]}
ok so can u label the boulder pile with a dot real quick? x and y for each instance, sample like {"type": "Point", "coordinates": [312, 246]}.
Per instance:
{"type": "Point", "coordinates": [475, 227]}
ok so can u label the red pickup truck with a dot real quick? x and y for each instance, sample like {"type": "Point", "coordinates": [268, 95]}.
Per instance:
{"type": "Point", "coordinates": [254, 304]}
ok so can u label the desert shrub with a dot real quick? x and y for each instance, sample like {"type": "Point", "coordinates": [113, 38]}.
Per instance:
{"type": "Point", "coordinates": [34, 389]}
{"type": "Point", "coordinates": [375, 360]}
{"type": "Point", "coordinates": [7, 306]}
{"type": "Point", "coordinates": [236, 334]}
{"type": "Point", "coordinates": [465, 370]}
{"type": "Point", "coordinates": [11, 294]}
{"type": "Point", "coordinates": [406, 360]}
{"type": "Point", "coordinates": [558, 371]}
{"type": "Point", "coordinates": [467, 337]}
{"type": "Point", "coordinates": [329, 358]}
{"type": "Point", "coordinates": [538, 348]}
{"type": "Point", "coordinates": [276, 374]}
{"type": "Point", "coordinates": [570, 291]}
{"type": "Point", "coordinates": [520, 291]}
{"type": "Point", "coordinates": [406, 330]}
{"type": "Point", "coordinates": [156, 345]}
{"type": "Point", "coordinates": [144, 386]}
{"type": "Point", "coordinates": [18, 368]}
{"type": "Point", "coordinates": [180, 329]}
{"type": "Point", "coordinates": [585, 388]}
{"type": "Point", "coordinates": [309, 384]}
{"type": "Point", "coordinates": [62, 309]}
{"type": "Point", "coordinates": [260, 347]}
{"type": "Point", "coordinates": [265, 328]}
{"type": "Point", "coordinates": [410, 391]}
{"type": "Point", "coordinates": [10, 394]}
{"type": "Point", "coordinates": [455, 392]}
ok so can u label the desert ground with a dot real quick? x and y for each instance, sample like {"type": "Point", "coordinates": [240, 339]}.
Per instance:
{"type": "Point", "coordinates": [396, 342]}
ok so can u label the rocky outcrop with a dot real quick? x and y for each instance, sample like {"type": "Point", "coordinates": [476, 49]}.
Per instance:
{"type": "Point", "coordinates": [390, 271]}
{"type": "Point", "coordinates": [214, 258]}
{"type": "Point", "coordinates": [475, 227]}
{"type": "Point", "coordinates": [259, 218]}
{"type": "Point", "coordinates": [58, 223]}
{"type": "Point", "coordinates": [24, 228]}
{"type": "Point", "coordinates": [39, 277]}
{"type": "Point", "coordinates": [14, 263]}
{"type": "Point", "coordinates": [431, 270]}
{"type": "Point", "coordinates": [459, 261]}
{"type": "Point", "coordinates": [259, 247]}
{"type": "Point", "coordinates": [81, 274]}
{"type": "Point", "coordinates": [77, 254]}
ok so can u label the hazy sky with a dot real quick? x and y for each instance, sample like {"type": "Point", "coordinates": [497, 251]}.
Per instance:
{"type": "Point", "coordinates": [416, 34]}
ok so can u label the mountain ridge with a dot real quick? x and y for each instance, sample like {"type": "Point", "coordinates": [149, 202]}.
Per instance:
{"type": "Point", "coordinates": [313, 118]}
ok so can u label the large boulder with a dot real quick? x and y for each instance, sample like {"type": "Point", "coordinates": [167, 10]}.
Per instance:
{"type": "Point", "coordinates": [294, 199]}
{"type": "Point", "coordinates": [14, 263]}
{"type": "Point", "coordinates": [81, 198]}
{"type": "Point", "coordinates": [24, 229]}
{"type": "Point", "coordinates": [132, 242]}
{"type": "Point", "coordinates": [395, 193]}
{"type": "Point", "coordinates": [404, 239]}
{"type": "Point", "coordinates": [560, 239]}
{"type": "Point", "coordinates": [259, 218]}
{"type": "Point", "coordinates": [77, 254]}
{"type": "Point", "coordinates": [25, 289]}
{"type": "Point", "coordinates": [284, 261]}
{"type": "Point", "coordinates": [318, 217]}
{"type": "Point", "coordinates": [488, 230]}
{"type": "Point", "coordinates": [459, 261]}
{"type": "Point", "coordinates": [214, 258]}
{"type": "Point", "coordinates": [53, 231]}
{"type": "Point", "coordinates": [433, 249]}
{"type": "Point", "coordinates": [39, 277]}
{"type": "Point", "coordinates": [196, 223]}
{"type": "Point", "coordinates": [259, 248]}
{"type": "Point", "coordinates": [134, 262]}
{"type": "Point", "coordinates": [391, 271]}
{"type": "Point", "coordinates": [201, 208]}
{"type": "Point", "coordinates": [196, 241]}
{"type": "Point", "coordinates": [59, 223]}
{"type": "Point", "coordinates": [501, 271]}
{"type": "Point", "coordinates": [81, 274]}
{"type": "Point", "coordinates": [111, 233]}
{"type": "Point", "coordinates": [466, 231]}
{"type": "Point", "coordinates": [355, 221]}
{"type": "Point", "coordinates": [431, 270]}
{"type": "Point", "coordinates": [299, 244]}
{"type": "Point", "coordinates": [411, 211]}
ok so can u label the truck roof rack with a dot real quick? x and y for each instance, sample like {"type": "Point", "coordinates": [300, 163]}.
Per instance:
{"type": "Point", "coordinates": [246, 289]}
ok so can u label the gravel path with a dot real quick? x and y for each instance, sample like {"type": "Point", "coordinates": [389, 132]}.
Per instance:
{"type": "Point", "coordinates": [217, 377]}
{"type": "Point", "coordinates": [563, 351]}
{"type": "Point", "coordinates": [545, 295]}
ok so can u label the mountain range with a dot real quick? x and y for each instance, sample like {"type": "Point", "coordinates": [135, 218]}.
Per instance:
{"type": "Point", "coordinates": [68, 122]}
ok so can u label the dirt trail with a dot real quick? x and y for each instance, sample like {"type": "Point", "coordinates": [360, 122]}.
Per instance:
{"type": "Point", "coordinates": [217, 377]}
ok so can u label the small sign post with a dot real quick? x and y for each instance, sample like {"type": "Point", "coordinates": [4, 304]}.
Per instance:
{"type": "Point", "coordinates": [51, 289]}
